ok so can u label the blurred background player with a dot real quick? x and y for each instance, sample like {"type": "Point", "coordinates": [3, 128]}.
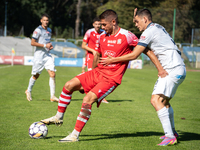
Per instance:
{"type": "Point", "coordinates": [156, 38]}
{"type": "Point", "coordinates": [42, 58]}
{"type": "Point", "coordinates": [84, 64]}
{"type": "Point", "coordinates": [90, 41]}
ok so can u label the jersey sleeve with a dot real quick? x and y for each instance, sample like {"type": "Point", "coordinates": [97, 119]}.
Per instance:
{"type": "Point", "coordinates": [36, 33]}
{"type": "Point", "coordinates": [86, 36]}
{"type": "Point", "coordinates": [145, 39]}
{"type": "Point", "coordinates": [132, 39]}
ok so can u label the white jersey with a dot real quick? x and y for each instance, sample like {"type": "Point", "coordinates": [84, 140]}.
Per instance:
{"type": "Point", "coordinates": [42, 57]}
{"type": "Point", "coordinates": [156, 38]}
{"type": "Point", "coordinates": [42, 36]}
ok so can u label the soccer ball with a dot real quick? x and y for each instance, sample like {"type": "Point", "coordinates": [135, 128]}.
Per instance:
{"type": "Point", "coordinates": [38, 130]}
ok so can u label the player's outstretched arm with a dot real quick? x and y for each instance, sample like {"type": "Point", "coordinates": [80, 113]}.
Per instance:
{"type": "Point", "coordinates": [96, 60]}
{"type": "Point", "coordinates": [161, 72]}
{"type": "Point", "coordinates": [131, 56]}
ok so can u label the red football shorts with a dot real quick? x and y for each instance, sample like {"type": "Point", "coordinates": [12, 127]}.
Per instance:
{"type": "Point", "coordinates": [89, 60]}
{"type": "Point", "coordinates": [93, 81]}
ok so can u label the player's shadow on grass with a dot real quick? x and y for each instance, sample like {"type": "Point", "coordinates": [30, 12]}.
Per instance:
{"type": "Point", "coordinates": [112, 101]}
{"type": "Point", "coordinates": [122, 135]}
{"type": "Point", "coordinates": [188, 136]}
{"type": "Point", "coordinates": [126, 100]}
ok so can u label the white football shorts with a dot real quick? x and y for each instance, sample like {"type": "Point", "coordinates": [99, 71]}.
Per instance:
{"type": "Point", "coordinates": [168, 85]}
{"type": "Point", "coordinates": [42, 60]}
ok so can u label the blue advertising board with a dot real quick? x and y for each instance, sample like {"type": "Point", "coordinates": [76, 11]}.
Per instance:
{"type": "Point", "coordinates": [69, 62]}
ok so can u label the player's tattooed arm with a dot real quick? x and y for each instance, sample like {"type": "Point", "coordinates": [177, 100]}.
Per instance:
{"type": "Point", "coordinates": [161, 72]}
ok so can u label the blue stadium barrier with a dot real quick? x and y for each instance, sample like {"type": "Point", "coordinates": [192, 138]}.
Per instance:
{"type": "Point", "coordinates": [190, 53]}
{"type": "Point", "coordinates": [58, 48]}
{"type": "Point", "coordinates": [69, 62]}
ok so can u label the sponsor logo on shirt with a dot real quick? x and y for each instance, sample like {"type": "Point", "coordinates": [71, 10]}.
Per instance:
{"type": "Point", "coordinates": [119, 41]}
{"type": "Point", "coordinates": [34, 33]}
{"type": "Point", "coordinates": [112, 41]}
{"type": "Point", "coordinates": [142, 37]}
{"type": "Point", "coordinates": [110, 45]}
{"type": "Point", "coordinates": [110, 53]}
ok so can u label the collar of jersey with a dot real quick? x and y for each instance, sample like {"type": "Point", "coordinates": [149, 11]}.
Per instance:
{"type": "Point", "coordinates": [149, 24]}
{"type": "Point", "coordinates": [115, 33]}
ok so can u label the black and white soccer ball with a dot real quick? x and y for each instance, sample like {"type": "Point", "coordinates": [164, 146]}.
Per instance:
{"type": "Point", "coordinates": [38, 130]}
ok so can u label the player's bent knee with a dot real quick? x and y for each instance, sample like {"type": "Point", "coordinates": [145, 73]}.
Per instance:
{"type": "Point", "coordinates": [52, 74]}
{"type": "Point", "coordinates": [90, 98]}
{"type": "Point", "coordinates": [154, 100]}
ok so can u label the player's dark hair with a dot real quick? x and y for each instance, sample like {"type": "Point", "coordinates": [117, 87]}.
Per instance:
{"type": "Point", "coordinates": [109, 13]}
{"type": "Point", "coordinates": [45, 15]}
{"type": "Point", "coordinates": [144, 12]}
{"type": "Point", "coordinates": [96, 19]}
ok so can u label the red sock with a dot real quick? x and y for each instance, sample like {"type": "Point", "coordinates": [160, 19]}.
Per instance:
{"type": "Point", "coordinates": [64, 100]}
{"type": "Point", "coordinates": [83, 117]}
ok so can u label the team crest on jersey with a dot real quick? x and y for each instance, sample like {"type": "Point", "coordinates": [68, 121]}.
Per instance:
{"type": "Point", "coordinates": [104, 40]}
{"type": "Point", "coordinates": [142, 37]}
{"type": "Point", "coordinates": [119, 41]}
{"type": "Point", "coordinates": [98, 36]}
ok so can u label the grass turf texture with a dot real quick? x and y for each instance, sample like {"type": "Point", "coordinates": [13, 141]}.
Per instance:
{"type": "Point", "coordinates": [127, 122]}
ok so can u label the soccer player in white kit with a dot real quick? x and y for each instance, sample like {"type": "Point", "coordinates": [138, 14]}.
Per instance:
{"type": "Point", "coordinates": [156, 38]}
{"type": "Point", "coordinates": [42, 58]}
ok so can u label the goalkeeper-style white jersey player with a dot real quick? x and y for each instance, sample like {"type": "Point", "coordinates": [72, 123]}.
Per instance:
{"type": "Point", "coordinates": [42, 58]}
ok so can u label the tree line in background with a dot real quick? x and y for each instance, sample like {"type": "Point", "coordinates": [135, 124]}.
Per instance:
{"type": "Point", "coordinates": [71, 18]}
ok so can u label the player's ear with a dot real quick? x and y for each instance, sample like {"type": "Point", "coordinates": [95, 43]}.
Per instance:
{"type": "Point", "coordinates": [114, 22]}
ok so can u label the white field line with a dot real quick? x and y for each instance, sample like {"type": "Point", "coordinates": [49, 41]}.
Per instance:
{"type": "Point", "coordinates": [5, 67]}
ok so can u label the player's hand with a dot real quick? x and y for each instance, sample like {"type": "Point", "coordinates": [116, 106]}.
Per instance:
{"type": "Point", "coordinates": [94, 53]}
{"type": "Point", "coordinates": [49, 46]}
{"type": "Point", "coordinates": [106, 61]}
{"type": "Point", "coordinates": [135, 10]}
{"type": "Point", "coordinates": [162, 73]}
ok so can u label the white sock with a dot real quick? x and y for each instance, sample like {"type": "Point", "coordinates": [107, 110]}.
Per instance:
{"type": "Point", "coordinates": [163, 115]}
{"type": "Point", "coordinates": [76, 133]}
{"type": "Point", "coordinates": [31, 84]}
{"type": "Point", "coordinates": [59, 115]}
{"type": "Point", "coordinates": [52, 85]}
{"type": "Point", "coordinates": [171, 117]}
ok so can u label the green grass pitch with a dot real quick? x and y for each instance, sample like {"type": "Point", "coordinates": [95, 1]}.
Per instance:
{"type": "Point", "coordinates": [128, 122]}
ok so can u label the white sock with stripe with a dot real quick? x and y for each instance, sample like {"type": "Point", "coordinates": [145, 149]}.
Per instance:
{"type": "Point", "coordinates": [64, 101]}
